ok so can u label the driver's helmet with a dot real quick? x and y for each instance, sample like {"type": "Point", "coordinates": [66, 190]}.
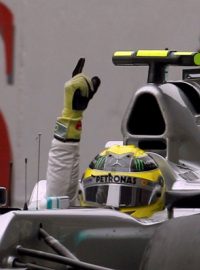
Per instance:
{"type": "Point", "coordinates": [126, 178]}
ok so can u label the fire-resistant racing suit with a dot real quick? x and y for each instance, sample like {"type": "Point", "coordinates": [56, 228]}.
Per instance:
{"type": "Point", "coordinates": [63, 161]}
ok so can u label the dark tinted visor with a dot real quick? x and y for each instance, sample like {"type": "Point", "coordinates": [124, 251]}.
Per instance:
{"type": "Point", "coordinates": [128, 196]}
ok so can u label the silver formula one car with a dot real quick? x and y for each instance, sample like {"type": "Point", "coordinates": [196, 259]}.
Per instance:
{"type": "Point", "coordinates": [163, 119]}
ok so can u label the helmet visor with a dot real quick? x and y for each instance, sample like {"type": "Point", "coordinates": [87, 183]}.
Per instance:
{"type": "Point", "coordinates": [97, 194]}
{"type": "Point", "coordinates": [130, 196]}
{"type": "Point", "coordinates": [120, 195]}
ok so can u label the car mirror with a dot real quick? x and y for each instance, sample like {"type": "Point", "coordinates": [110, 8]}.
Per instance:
{"type": "Point", "coordinates": [181, 199]}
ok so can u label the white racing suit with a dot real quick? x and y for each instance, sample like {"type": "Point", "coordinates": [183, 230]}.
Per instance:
{"type": "Point", "coordinates": [63, 170]}
{"type": "Point", "coordinates": [63, 162]}
{"type": "Point", "coordinates": [63, 176]}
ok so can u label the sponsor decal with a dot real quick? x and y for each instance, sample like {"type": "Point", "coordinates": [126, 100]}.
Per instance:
{"type": "Point", "coordinates": [79, 125]}
{"type": "Point", "coordinates": [139, 164]}
{"type": "Point", "coordinates": [190, 176]}
{"type": "Point", "coordinates": [94, 180]}
{"type": "Point", "coordinates": [99, 162]}
{"type": "Point", "coordinates": [115, 179]}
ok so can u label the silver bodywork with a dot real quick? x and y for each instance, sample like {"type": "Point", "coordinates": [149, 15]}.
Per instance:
{"type": "Point", "coordinates": [177, 105]}
{"type": "Point", "coordinates": [107, 237]}
{"type": "Point", "coordinates": [100, 236]}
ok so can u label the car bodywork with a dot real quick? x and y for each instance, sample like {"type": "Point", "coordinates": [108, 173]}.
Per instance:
{"type": "Point", "coordinates": [163, 119]}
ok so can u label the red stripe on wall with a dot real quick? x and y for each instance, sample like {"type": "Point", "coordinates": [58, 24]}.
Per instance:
{"type": "Point", "coordinates": [5, 157]}
{"type": "Point", "coordinates": [7, 33]}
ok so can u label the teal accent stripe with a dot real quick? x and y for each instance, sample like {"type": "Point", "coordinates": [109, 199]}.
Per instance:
{"type": "Point", "coordinates": [49, 203]}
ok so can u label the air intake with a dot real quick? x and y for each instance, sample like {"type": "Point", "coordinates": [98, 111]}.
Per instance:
{"type": "Point", "coordinates": [146, 117]}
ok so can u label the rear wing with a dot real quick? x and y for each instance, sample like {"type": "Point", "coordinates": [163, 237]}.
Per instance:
{"type": "Point", "coordinates": [157, 60]}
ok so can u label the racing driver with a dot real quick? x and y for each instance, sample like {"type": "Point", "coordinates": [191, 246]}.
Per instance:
{"type": "Point", "coordinates": [121, 176]}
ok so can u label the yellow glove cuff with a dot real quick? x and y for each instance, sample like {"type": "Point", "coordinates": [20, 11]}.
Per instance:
{"type": "Point", "coordinates": [68, 130]}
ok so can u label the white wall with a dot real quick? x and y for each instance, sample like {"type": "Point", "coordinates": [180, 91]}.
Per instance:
{"type": "Point", "coordinates": [50, 37]}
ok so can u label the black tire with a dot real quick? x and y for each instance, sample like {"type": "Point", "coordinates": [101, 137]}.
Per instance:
{"type": "Point", "coordinates": [174, 245]}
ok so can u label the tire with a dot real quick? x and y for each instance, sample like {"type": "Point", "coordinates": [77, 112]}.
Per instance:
{"type": "Point", "coordinates": [174, 245]}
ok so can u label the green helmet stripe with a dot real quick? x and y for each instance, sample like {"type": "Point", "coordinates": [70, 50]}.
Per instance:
{"type": "Point", "coordinates": [100, 162]}
{"type": "Point", "coordinates": [139, 164]}
{"type": "Point", "coordinates": [136, 164]}
{"type": "Point", "coordinates": [142, 165]}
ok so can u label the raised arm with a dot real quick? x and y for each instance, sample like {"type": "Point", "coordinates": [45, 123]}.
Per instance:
{"type": "Point", "coordinates": [63, 161]}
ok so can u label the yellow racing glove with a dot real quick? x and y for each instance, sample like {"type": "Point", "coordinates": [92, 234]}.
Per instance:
{"type": "Point", "coordinates": [77, 93]}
